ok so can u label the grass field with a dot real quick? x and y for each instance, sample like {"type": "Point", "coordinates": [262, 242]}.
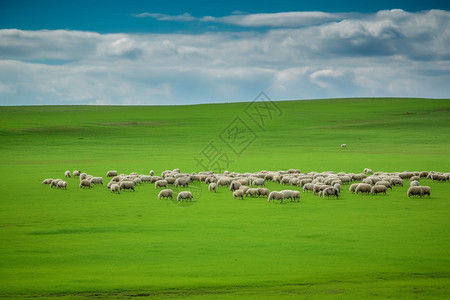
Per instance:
{"type": "Point", "coordinates": [84, 244]}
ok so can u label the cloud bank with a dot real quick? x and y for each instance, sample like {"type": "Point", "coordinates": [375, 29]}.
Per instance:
{"type": "Point", "coordinates": [300, 55]}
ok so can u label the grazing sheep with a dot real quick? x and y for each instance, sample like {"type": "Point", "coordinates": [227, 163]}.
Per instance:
{"type": "Point", "coordinates": [368, 171]}
{"type": "Point", "coordinates": [212, 187]}
{"type": "Point", "coordinates": [263, 192]}
{"type": "Point", "coordinates": [224, 181]}
{"type": "Point", "coordinates": [166, 193]}
{"type": "Point", "coordinates": [76, 173]}
{"type": "Point", "coordinates": [54, 183]}
{"type": "Point", "coordinates": [85, 183]}
{"type": "Point", "coordinates": [47, 181]}
{"type": "Point", "coordinates": [177, 170]}
{"type": "Point", "coordinates": [235, 185]}
{"type": "Point", "coordinates": [210, 179]}
{"type": "Point", "coordinates": [127, 185]}
{"type": "Point", "coordinates": [151, 173]}
{"type": "Point", "coordinates": [415, 191]}
{"type": "Point", "coordinates": [396, 181]}
{"type": "Point", "coordinates": [290, 194]}
{"type": "Point", "coordinates": [308, 187]}
{"type": "Point", "coordinates": [67, 174]}
{"type": "Point", "coordinates": [83, 176]}
{"type": "Point", "coordinates": [252, 192]}
{"type": "Point", "coordinates": [352, 187]}
{"type": "Point", "coordinates": [111, 173]}
{"type": "Point", "coordinates": [330, 191]}
{"type": "Point", "coordinates": [345, 179]}
{"type": "Point", "coordinates": [423, 174]}
{"type": "Point", "coordinates": [170, 179]}
{"type": "Point", "coordinates": [337, 186]}
{"type": "Point", "coordinates": [426, 190]}
{"type": "Point", "coordinates": [184, 195]}
{"type": "Point", "coordinates": [115, 179]}
{"type": "Point", "coordinates": [275, 196]}
{"type": "Point", "coordinates": [195, 177]}
{"type": "Point", "coordinates": [161, 183]}
{"type": "Point", "coordinates": [145, 178]}
{"type": "Point", "coordinates": [115, 188]}
{"type": "Point", "coordinates": [238, 194]}
{"type": "Point", "coordinates": [378, 189]}
{"type": "Point", "coordinates": [137, 180]}
{"type": "Point", "coordinates": [258, 182]}
{"type": "Point", "coordinates": [305, 181]}
{"type": "Point", "coordinates": [414, 178]}
{"type": "Point", "coordinates": [97, 180]}
{"type": "Point", "coordinates": [414, 183]}
{"type": "Point", "coordinates": [183, 181]}
{"type": "Point", "coordinates": [363, 188]}
{"type": "Point", "coordinates": [358, 177]}
{"type": "Point", "coordinates": [406, 175]}
{"type": "Point", "coordinates": [343, 145]}
{"type": "Point", "coordinates": [438, 177]}
{"type": "Point", "coordinates": [244, 188]}
{"type": "Point", "coordinates": [62, 185]}
{"type": "Point", "coordinates": [387, 184]}
{"type": "Point", "coordinates": [319, 187]}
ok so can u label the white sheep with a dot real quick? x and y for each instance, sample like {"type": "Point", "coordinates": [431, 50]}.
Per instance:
{"type": "Point", "coordinates": [263, 192]}
{"type": "Point", "coordinates": [238, 194]}
{"type": "Point", "coordinates": [47, 181]}
{"type": "Point", "coordinates": [368, 171]}
{"type": "Point", "coordinates": [83, 176]}
{"type": "Point", "coordinates": [161, 183]}
{"type": "Point", "coordinates": [54, 183]}
{"type": "Point", "coordinates": [252, 192]}
{"type": "Point", "coordinates": [111, 173]}
{"type": "Point", "coordinates": [184, 195]}
{"type": "Point", "coordinates": [97, 180]}
{"type": "Point", "coordinates": [235, 185]}
{"type": "Point", "coordinates": [166, 193]}
{"type": "Point", "coordinates": [151, 173]}
{"type": "Point", "coordinates": [67, 174]}
{"type": "Point", "coordinates": [414, 183]}
{"type": "Point", "coordinates": [76, 173]}
{"type": "Point", "coordinates": [137, 180]}
{"type": "Point", "coordinates": [308, 186]}
{"type": "Point", "coordinates": [127, 185]}
{"type": "Point", "coordinates": [115, 188]}
{"type": "Point", "coordinates": [276, 196]}
{"type": "Point", "coordinates": [363, 188]}
{"type": "Point", "coordinates": [352, 187]}
{"type": "Point", "coordinates": [223, 181]}
{"type": "Point", "coordinates": [426, 190]}
{"type": "Point", "coordinates": [415, 191]}
{"type": "Point", "coordinates": [85, 183]}
{"type": "Point", "coordinates": [290, 194]}
{"type": "Point", "coordinates": [343, 145]}
{"type": "Point", "coordinates": [183, 181]}
{"type": "Point", "coordinates": [212, 187]}
{"type": "Point", "coordinates": [330, 191]}
{"type": "Point", "coordinates": [62, 185]}
{"type": "Point", "coordinates": [378, 189]}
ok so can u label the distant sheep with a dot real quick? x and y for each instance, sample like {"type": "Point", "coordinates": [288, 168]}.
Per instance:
{"type": "Point", "coordinates": [414, 183]}
{"type": "Point", "coordinates": [54, 183]}
{"type": "Point", "coordinates": [235, 185]}
{"type": "Point", "coordinates": [308, 187]}
{"type": "Point", "coordinates": [47, 181]}
{"type": "Point", "coordinates": [137, 180]}
{"type": "Point", "coordinates": [115, 188]}
{"type": "Point", "coordinates": [170, 179]}
{"type": "Point", "coordinates": [182, 181]}
{"type": "Point", "coordinates": [244, 188]}
{"type": "Point", "coordinates": [238, 194]}
{"type": "Point", "coordinates": [85, 183]}
{"type": "Point", "coordinates": [166, 193]}
{"type": "Point", "coordinates": [396, 181]}
{"type": "Point", "coordinates": [252, 192]}
{"type": "Point", "coordinates": [414, 178]}
{"type": "Point", "coordinates": [97, 180]}
{"type": "Point", "coordinates": [83, 176]}
{"type": "Point", "coordinates": [426, 190]}
{"type": "Point", "coordinates": [224, 181]}
{"type": "Point", "coordinates": [151, 173]}
{"type": "Point", "coordinates": [319, 187]}
{"type": "Point", "coordinates": [290, 194]}
{"type": "Point", "coordinates": [368, 171]}
{"type": "Point", "coordinates": [127, 185]}
{"type": "Point", "coordinates": [67, 174]}
{"type": "Point", "coordinates": [276, 196]}
{"type": "Point", "coordinates": [352, 187]}
{"type": "Point", "coordinates": [330, 191]}
{"type": "Point", "coordinates": [363, 188]}
{"type": "Point", "coordinates": [62, 185]}
{"type": "Point", "coordinates": [184, 195]}
{"type": "Point", "coordinates": [76, 173]}
{"type": "Point", "coordinates": [387, 184]}
{"type": "Point", "coordinates": [212, 187]}
{"type": "Point", "coordinates": [378, 189]}
{"type": "Point", "coordinates": [210, 179]}
{"type": "Point", "coordinates": [161, 183]}
{"type": "Point", "coordinates": [111, 173]}
{"type": "Point", "coordinates": [343, 145]}
{"type": "Point", "coordinates": [258, 182]}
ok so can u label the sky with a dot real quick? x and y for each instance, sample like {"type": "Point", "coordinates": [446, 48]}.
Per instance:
{"type": "Point", "coordinates": [188, 52]}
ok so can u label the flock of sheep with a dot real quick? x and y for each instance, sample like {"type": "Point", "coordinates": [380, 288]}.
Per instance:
{"type": "Point", "coordinates": [324, 184]}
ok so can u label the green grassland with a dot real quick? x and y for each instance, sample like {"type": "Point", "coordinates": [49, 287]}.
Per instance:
{"type": "Point", "coordinates": [84, 244]}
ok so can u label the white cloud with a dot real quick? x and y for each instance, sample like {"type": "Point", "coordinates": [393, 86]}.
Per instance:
{"type": "Point", "coordinates": [390, 53]}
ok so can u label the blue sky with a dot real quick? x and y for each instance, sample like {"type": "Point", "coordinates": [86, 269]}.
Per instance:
{"type": "Point", "coordinates": [177, 52]}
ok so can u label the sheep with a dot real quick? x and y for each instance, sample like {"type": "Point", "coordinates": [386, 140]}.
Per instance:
{"type": "Point", "coordinates": [115, 188]}
{"type": "Point", "coordinates": [415, 191]}
{"type": "Point", "coordinates": [378, 189]}
{"type": "Point", "coordinates": [212, 187]}
{"type": "Point", "coordinates": [76, 173]}
{"type": "Point", "coordinates": [238, 194]}
{"type": "Point", "coordinates": [151, 173]}
{"type": "Point", "coordinates": [62, 185]}
{"type": "Point", "coordinates": [170, 179]}
{"type": "Point", "coordinates": [343, 145]}
{"type": "Point", "coordinates": [337, 186]}
{"type": "Point", "coordinates": [137, 180]}
{"type": "Point", "coordinates": [184, 195]}
{"type": "Point", "coordinates": [396, 181]}
{"type": "Point", "coordinates": [85, 183]}
{"type": "Point", "coordinates": [235, 185]}
{"type": "Point", "coordinates": [276, 196]}
{"type": "Point", "coordinates": [183, 181]}
{"type": "Point", "coordinates": [252, 192]}
{"type": "Point", "coordinates": [308, 187]}
{"type": "Point", "coordinates": [290, 194]}
{"type": "Point", "coordinates": [161, 183]}
{"type": "Point", "coordinates": [83, 176]}
{"type": "Point", "coordinates": [358, 177]}
{"type": "Point", "coordinates": [244, 188]}
{"type": "Point", "coordinates": [352, 187]}
{"type": "Point", "coordinates": [134, 174]}
{"type": "Point", "coordinates": [387, 184]}
{"type": "Point", "coordinates": [285, 180]}
{"type": "Point", "coordinates": [438, 177]}
{"type": "Point", "coordinates": [414, 178]}
{"type": "Point", "coordinates": [319, 187]}
{"type": "Point", "coordinates": [54, 183]}
{"type": "Point", "coordinates": [263, 191]}
{"type": "Point", "coordinates": [145, 178]}
{"type": "Point", "coordinates": [426, 190]}
{"type": "Point", "coordinates": [223, 181]}
{"type": "Point", "coordinates": [166, 193]}
{"type": "Point", "coordinates": [47, 181]}
{"type": "Point", "coordinates": [97, 180]}
{"type": "Point", "coordinates": [414, 183]}
{"type": "Point", "coordinates": [345, 179]}
{"type": "Point", "coordinates": [258, 182]}
{"type": "Point", "coordinates": [423, 174]}
{"type": "Point", "coordinates": [195, 177]}
{"type": "Point", "coordinates": [176, 170]}
{"type": "Point", "coordinates": [111, 173]}
{"type": "Point", "coordinates": [293, 171]}
{"type": "Point", "coordinates": [363, 188]}
{"type": "Point", "coordinates": [210, 179]}
{"type": "Point", "coordinates": [67, 174]}
{"type": "Point", "coordinates": [305, 181]}
{"type": "Point", "coordinates": [127, 185]}
{"type": "Point", "coordinates": [368, 171]}
{"type": "Point", "coordinates": [330, 191]}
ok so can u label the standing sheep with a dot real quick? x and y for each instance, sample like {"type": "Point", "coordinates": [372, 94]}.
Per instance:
{"type": "Point", "coordinates": [151, 173]}
{"type": "Point", "coordinates": [258, 182]}
{"type": "Point", "coordinates": [308, 187]}
{"type": "Point", "coordinates": [330, 191]}
{"type": "Point", "coordinates": [183, 181]}
{"type": "Point", "coordinates": [368, 171]}
{"type": "Point", "coordinates": [378, 189]}
{"type": "Point", "coordinates": [47, 181]}
{"type": "Point", "coordinates": [161, 183]}
{"type": "Point", "coordinates": [252, 192]}
{"type": "Point", "coordinates": [166, 193]}
{"type": "Point", "coordinates": [184, 195]}
{"type": "Point", "coordinates": [415, 191]}
{"type": "Point", "coordinates": [76, 173]}
{"type": "Point", "coordinates": [62, 185]}
{"type": "Point", "coordinates": [224, 181]}
{"type": "Point", "coordinates": [111, 173]}
{"type": "Point", "coordinates": [85, 183]}
{"type": "Point", "coordinates": [343, 145]}
{"type": "Point", "coordinates": [352, 187]}
{"type": "Point", "coordinates": [115, 188]}
{"type": "Point", "coordinates": [235, 185]}
{"type": "Point", "coordinates": [263, 192]}
{"type": "Point", "coordinates": [275, 196]}
{"type": "Point", "coordinates": [363, 188]}
{"type": "Point", "coordinates": [97, 180]}
{"type": "Point", "coordinates": [414, 183]}
{"type": "Point", "coordinates": [289, 194]}
{"type": "Point", "coordinates": [127, 185]}
{"type": "Point", "coordinates": [426, 190]}
{"type": "Point", "coordinates": [238, 194]}
{"type": "Point", "coordinates": [67, 174]}
{"type": "Point", "coordinates": [212, 187]}
{"type": "Point", "coordinates": [54, 183]}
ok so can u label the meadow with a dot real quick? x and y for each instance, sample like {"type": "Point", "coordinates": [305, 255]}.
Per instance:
{"type": "Point", "coordinates": [84, 244]}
